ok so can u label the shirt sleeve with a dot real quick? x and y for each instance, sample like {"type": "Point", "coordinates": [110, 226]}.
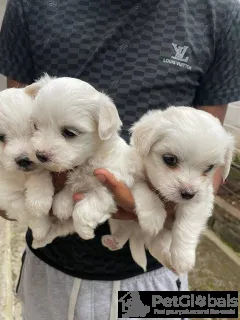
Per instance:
{"type": "Point", "coordinates": [15, 54]}
{"type": "Point", "coordinates": [221, 84]}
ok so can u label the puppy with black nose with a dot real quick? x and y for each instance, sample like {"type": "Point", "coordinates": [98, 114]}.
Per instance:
{"type": "Point", "coordinates": [25, 163]}
{"type": "Point", "coordinates": [26, 189]}
{"type": "Point", "coordinates": [180, 149]}
{"type": "Point", "coordinates": [177, 151]}
{"type": "Point", "coordinates": [76, 130]}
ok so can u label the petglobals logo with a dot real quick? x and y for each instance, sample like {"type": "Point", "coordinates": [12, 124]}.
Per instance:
{"type": "Point", "coordinates": [183, 304]}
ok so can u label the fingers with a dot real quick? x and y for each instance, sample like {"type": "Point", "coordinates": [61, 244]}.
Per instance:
{"type": "Point", "coordinates": [107, 178]}
{"type": "Point", "coordinates": [120, 191]}
{"type": "Point", "coordinates": [218, 179]}
{"type": "Point", "coordinates": [78, 197]}
{"type": "Point", "coordinates": [122, 196]}
{"type": "Point", "coordinates": [59, 180]}
{"type": "Point", "coordinates": [123, 215]}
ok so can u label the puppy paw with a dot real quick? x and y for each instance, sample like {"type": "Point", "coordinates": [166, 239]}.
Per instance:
{"type": "Point", "coordinates": [163, 255]}
{"type": "Point", "coordinates": [182, 261]}
{"type": "Point", "coordinates": [89, 213]}
{"type": "Point", "coordinates": [110, 242]}
{"type": "Point", "coordinates": [39, 206]}
{"type": "Point", "coordinates": [166, 259]}
{"type": "Point", "coordinates": [159, 247]}
{"type": "Point", "coordinates": [85, 231]}
{"type": "Point", "coordinates": [40, 231]}
{"type": "Point", "coordinates": [62, 206]}
{"type": "Point", "coordinates": [152, 224]}
{"type": "Point", "coordinates": [84, 225]}
{"type": "Point", "coordinates": [36, 244]}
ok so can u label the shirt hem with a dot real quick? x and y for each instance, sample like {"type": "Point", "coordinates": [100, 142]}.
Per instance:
{"type": "Point", "coordinates": [86, 276]}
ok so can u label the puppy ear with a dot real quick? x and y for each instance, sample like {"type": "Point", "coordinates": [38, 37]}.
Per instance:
{"type": "Point", "coordinates": [32, 89]}
{"type": "Point", "coordinates": [146, 132]}
{"type": "Point", "coordinates": [228, 156]}
{"type": "Point", "coordinates": [108, 121]}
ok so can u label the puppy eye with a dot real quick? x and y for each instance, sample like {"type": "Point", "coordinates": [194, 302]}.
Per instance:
{"type": "Point", "coordinates": [35, 126]}
{"type": "Point", "coordinates": [170, 160]}
{"type": "Point", "coordinates": [2, 137]}
{"type": "Point", "coordinates": [69, 133]}
{"type": "Point", "coordinates": [209, 168]}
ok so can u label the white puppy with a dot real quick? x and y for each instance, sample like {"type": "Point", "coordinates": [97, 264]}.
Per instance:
{"type": "Point", "coordinates": [76, 130]}
{"type": "Point", "coordinates": [26, 190]}
{"type": "Point", "coordinates": [178, 151]}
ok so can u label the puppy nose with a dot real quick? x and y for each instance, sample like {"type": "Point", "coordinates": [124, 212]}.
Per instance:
{"type": "Point", "coordinates": [42, 156]}
{"type": "Point", "coordinates": [187, 194]}
{"type": "Point", "coordinates": [23, 162]}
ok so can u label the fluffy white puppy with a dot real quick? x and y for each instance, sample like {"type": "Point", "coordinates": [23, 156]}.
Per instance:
{"type": "Point", "coordinates": [76, 130]}
{"type": "Point", "coordinates": [177, 151]}
{"type": "Point", "coordinates": [26, 190]}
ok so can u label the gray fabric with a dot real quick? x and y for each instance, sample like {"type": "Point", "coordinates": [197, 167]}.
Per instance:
{"type": "Point", "coordinates": [45, 292]}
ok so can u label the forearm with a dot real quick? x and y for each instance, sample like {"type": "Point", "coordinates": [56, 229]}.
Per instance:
{"type": "Point", "coordinates": [14, 84]}
{"type": "Point", "coordinates": [218, 111]}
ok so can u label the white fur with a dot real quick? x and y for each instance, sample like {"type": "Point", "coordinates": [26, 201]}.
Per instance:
{"type": "Point", "coordinates": [198, 140]}
{"type": "Point", "coordinates": [68, 103]}
{"type": "Point", "coordinates": [24, 195]}
{"type": "Point", "coordinates": [195, 137]}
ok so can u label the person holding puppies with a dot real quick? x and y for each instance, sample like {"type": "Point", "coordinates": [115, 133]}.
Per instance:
{"type": "Point", "coordinates": [145, 55]}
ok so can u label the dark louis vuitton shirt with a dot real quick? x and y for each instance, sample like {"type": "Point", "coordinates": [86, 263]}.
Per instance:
{"type": "Point", "coordinates": [145, 54]}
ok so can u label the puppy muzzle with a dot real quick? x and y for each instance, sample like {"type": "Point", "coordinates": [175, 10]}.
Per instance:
{"type": "Point", "coordinates": [25, 164]}
{"type": "Point", "coordinates": [187, 194]}
{"type": "Point", "coordinates": [42, 156]}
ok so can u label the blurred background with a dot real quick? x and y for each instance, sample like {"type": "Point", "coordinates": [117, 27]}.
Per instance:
{"type": "Point", "coordinates": [218, 254]}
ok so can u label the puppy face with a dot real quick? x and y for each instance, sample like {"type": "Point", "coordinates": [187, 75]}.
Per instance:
{"type": "Point", "coordinates": [181, 148]}
{"type": "Point", "coordinates": [16, 151]}
{"type": "Point", "coordinates": [70, 121]}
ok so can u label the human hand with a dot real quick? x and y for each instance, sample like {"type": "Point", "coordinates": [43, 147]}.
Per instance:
{"type": "Point", "coordinates": [59, 179]}
{"type": "Point", "coordinates": [122, 196]}
{"type": "Point", "coordinates": [218, 180]}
